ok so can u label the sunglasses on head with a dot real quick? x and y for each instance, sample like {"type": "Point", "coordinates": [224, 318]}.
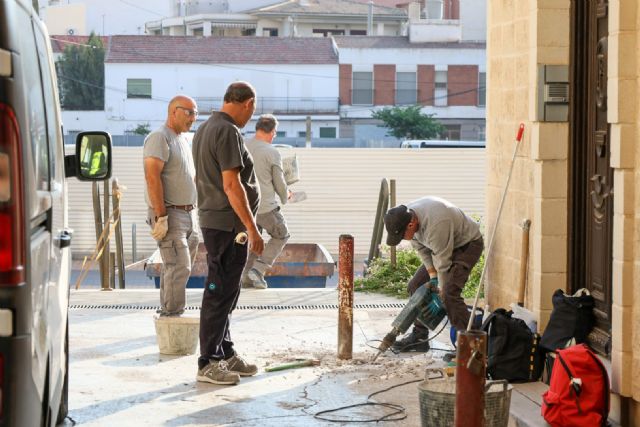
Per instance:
{"type": "Point", "coordinates": [189, 112]}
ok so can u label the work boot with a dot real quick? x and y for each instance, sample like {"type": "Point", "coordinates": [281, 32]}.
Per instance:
{"type": "Point", "coordinates": [258, 279]}
{"type": "Point", "coordinates": [217, 372]}
{"type": "Point", "coordinates": [415, 341]}
{"type": "Point", "coordinates": [245, 282]}
{"type": "Point", "coordinates": [238, 365]}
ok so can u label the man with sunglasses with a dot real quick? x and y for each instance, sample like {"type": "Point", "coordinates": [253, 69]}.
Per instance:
{"type": "Point", "coordinates": [171, 196]}
{"type": "Point", "coordinates": [228, 198]}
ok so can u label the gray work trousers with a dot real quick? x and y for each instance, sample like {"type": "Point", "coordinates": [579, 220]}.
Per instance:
{"type": "Point", "coordinates": [275, 225]}
{"type": "Point", "coordinates": [178, 251]}
{"type": "Point", "coordinates": [453, 280]}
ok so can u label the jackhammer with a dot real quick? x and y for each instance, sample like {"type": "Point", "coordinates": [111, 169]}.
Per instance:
{"type": "Point", "coordinates": [425, 306]}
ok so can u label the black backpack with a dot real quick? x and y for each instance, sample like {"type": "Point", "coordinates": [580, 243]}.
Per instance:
{"type": "Point", "coordinates": [572, 317]}
{"type": "Point", "coordinates": [513, 352]}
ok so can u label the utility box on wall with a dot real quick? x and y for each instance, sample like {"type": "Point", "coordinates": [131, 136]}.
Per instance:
{"type": "Point", "coordinates": [553, 93]}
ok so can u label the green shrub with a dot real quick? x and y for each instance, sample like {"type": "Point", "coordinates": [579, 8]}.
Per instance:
{"type": "Point", "coordinates": [383, 278]}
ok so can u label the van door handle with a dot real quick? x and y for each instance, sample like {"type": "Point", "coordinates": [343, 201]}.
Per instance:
{"type": "Point", "coordinates": [63, 240]}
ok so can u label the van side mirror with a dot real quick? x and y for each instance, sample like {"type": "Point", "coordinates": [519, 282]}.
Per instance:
{"type": "Point", "coordinates": [92, 159]}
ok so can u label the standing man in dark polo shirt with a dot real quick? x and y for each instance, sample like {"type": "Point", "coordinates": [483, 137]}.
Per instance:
{"type": "Point", "coordinates": [228, 198]}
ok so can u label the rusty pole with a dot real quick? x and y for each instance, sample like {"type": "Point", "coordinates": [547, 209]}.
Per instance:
{"type": "Point", "coordinates": [392, 203]}
{"type": "Point", "coordinates": [345, 297]}
{"type": "Point", "coordinates": [471, 367]}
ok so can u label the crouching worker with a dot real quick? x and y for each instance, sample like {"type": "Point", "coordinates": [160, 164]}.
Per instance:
{"type": "Point", "coordinates": [449, 243]}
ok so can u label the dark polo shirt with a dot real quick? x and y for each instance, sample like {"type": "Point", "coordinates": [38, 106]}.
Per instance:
{"type": "Point", "coordinates": [218, 146]}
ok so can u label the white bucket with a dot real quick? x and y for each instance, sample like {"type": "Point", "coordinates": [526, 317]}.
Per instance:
{"type": "Point", "coordinates": [177, 335]}
{"type": "Point", "coordinates": [290, 169]}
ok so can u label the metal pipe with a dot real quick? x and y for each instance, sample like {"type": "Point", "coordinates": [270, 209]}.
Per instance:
{"type": "Point", "coordinates": [106, 221]}
{"type": "Point", "coordinates": [117, 218]}
{"type": "Point", "coordinates": [97, 218]}
{"type": "Point", "coordinates": [134, 248]}
{"type": "Point", "coordinates": [471, 367]}
{"type": "Point", "coordinates": [392, 203]}
{"type": "Point", "coordinates": [345, 297]}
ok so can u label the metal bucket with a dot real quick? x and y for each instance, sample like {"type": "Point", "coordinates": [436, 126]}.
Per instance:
{"type": "Point", "coordinates": [438, 398]}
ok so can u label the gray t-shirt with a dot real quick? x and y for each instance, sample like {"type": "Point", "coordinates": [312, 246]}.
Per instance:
{"type": "Point", "coordinates": [443, 228]}
{"type": "Point", "coordinates": [218, 146]}
{"type": "Point", "coordinates": [268, 165]}
{"type": "Point", "coordinates": [178, 172]}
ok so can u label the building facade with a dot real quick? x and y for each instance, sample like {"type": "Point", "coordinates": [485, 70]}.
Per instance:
{"type": "Point", "coordinates": [567, 69]}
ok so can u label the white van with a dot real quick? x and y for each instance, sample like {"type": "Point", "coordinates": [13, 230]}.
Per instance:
{"type": "Point", "coordinates": [35, 238]}
{"type": "Point", "coordinates": [440, 143]}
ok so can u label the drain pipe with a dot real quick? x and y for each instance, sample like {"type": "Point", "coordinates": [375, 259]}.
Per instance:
{"type": "Point", "coordinates": [345, 297]}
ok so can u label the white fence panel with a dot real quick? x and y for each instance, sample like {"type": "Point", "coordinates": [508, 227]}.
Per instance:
{"type": "Point", "coordinates": [342, 186]}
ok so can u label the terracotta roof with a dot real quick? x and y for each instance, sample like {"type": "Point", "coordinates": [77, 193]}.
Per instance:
{"type": "Point", "coordinates": [387, 3]}
{"type": "Point", "coordinates": [58, 43]}
{"type": "Point", "coordinates": [221, 50]}
{"type": "Point", "coordinates": [399, 42]}
{"type": "Point", "coordinates": [327, 7]}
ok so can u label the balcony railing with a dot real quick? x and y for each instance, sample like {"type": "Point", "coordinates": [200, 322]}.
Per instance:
{"type": "Point", "coordinates": [276, 105]}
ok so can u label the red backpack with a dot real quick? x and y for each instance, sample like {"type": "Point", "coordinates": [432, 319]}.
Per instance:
{"type": "Point", "coordinates": [578, 393]}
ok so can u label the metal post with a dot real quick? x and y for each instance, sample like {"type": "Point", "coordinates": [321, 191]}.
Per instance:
{"type": "Point", "coordinates": [112, 270]}
{"type": "Point", "coordinates": [97, 217]}
{"type": "Point", "coordinates": [107, 226]}
{"type": "Point", "coordinates": [392, 203]}
{"type": "Point", "coordinates": [134, 249]}
{"type": "Point", "coordinates": [308, 133]}
{"type": "Point", "coordinates": [471, 367]}
{"type": "Point", "coordinates": [117, 218]}
{"type": "Point", "coordinates": [345, 297]}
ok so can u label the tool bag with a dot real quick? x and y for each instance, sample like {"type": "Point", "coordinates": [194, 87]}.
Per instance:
{"type": "Point", "coordinates": [579, 391]}
{"type": "Point", "coordinates": [513, 352]}
{"type": "Point", "coordinates": [572, 317]}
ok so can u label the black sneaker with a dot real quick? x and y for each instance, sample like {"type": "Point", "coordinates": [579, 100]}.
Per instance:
{"type": "Point", "coordinates": [415, 341]}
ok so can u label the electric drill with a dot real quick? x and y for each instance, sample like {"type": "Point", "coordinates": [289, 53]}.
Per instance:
{"type": "Point", "coordinates": [424, 306]}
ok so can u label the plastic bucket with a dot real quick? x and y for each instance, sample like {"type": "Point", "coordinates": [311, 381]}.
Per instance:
{"type": "Point", "coordinates": [438, 400]}
{"type": "Point", "coordinates": [177, 335]}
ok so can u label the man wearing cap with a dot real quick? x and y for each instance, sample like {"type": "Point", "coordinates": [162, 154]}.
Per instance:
{"type": "Point", "coordinates": [449, 243]}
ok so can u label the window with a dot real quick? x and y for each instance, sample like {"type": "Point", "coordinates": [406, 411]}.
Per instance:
{"type": "Point", "coordinates": [440, 94]}
{"type": "Point", "coordinates": [138, 88]}
{"type": "Point", "coordinates": [406, 89]}
{"type": "Point", "coordinates": [327, 132]}
{"type": "Point", "coordinates": [270, 32]}
{"type": "Point", "coordinates": [482, 89]}
{"type": "Point", "coordinates": [451, 132]}
{"type": "Point", "coordinates": [358, 32]}
{"type": "Point", "coordinates": [326, 33]}
{"type": "Point", "coordinates": [281, 134]}
{"type": "Point", "coordinates": [362, 88]}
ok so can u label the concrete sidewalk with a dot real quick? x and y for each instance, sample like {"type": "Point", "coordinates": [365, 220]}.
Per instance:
{"type": "Point", "coordinates": [117, 376]}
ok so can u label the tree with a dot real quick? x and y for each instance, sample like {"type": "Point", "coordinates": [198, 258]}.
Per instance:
{"type": "Point", "coordinates": [409, 122]}
{"type": "Point", "coordinates": [142, 129]}
{"type": "Point", "coordinates": [81, 75]}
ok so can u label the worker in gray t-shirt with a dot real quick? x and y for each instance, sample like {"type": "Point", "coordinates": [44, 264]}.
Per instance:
{"type": "Point", "coordinates": [170, 193]}
{"type": "Point", "coordinates": [267, 163]}
{"type": "Point", "coordinates": [449, 243]}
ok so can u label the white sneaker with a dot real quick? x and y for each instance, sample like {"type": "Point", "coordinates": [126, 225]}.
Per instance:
{"type": "Point", "coordinates": [258, 279]}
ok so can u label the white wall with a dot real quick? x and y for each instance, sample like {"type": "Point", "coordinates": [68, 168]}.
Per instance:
{"type": "Point", "coordinates": [473, 19]}
{"type": "Point", "coordinates": [200, 80]}
{"type": "Point", "coordinates": [342, 187]}
{"type": "Point", "coordinates": [412, 56]}
{"type": "Point", "coordinates": [108, 17]}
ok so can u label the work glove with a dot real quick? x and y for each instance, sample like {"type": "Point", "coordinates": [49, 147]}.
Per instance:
{"type": "Point", "coordinates": [160, 228]}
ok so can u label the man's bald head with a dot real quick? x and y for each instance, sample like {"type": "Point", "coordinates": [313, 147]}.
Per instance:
{"type": "Point", "coordinates": [181, 113]}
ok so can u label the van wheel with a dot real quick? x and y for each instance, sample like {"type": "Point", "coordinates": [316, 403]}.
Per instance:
{"type": "Point", "coordinates": [63, 411]}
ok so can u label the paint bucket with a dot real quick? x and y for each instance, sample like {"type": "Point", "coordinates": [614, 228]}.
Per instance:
{"type": "Point", "coordinates": [438, 399]}
{"type": "Point", "coordinates": [177, 335]}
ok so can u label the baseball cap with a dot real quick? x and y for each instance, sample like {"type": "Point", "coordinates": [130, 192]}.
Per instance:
{"type": "Point", "coordinates": [396, 221]}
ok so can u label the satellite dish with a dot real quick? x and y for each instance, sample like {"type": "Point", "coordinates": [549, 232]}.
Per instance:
{"type": "Point", "coordinates": [71, 31]}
